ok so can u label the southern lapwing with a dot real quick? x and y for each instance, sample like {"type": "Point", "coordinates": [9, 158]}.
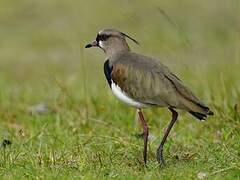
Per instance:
{"type": "Point", "coordinates": [142, 82]}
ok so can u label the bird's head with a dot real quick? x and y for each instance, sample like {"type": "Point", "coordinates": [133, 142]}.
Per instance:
{"type": "Point", "coordinates": [111, 41]}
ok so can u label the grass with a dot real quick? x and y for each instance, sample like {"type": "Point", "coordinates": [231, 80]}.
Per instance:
{"type": "Point", "coordinates": [86, 133]}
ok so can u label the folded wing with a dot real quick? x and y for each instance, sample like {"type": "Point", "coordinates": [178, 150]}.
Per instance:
{"type": "Point", "coordinates": [148, 81]}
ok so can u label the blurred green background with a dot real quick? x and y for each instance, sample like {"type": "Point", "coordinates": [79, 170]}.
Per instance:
{"type": "Point", "coordinates": [41, 39]}
{"type": "Point", "coordinates": [43, 61]}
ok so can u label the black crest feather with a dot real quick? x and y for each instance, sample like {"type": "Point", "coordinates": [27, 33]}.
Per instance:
{"type": "Point", "coordinates": [135, 41]}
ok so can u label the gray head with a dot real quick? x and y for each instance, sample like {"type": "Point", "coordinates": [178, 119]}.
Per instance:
{"type": "Point", "coordinates": [111, 41]}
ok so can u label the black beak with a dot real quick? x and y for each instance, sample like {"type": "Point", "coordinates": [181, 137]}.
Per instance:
{"type": "Point", "coordinates": [88, 46]}
{"type": "Point", "coordinates": [93, 44]}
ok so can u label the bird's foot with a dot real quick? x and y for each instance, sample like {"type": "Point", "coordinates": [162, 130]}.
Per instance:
{"type": "Point", "coordinates": [159, 157]}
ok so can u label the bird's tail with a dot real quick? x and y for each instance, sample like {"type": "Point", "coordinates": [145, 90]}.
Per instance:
{"type": "Point", "coordinates": [197, 109]}
{"type": "Point", "coordinates": [203, 115]}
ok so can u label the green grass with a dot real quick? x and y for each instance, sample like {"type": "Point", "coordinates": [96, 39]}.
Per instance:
{"type": "Point", "coordinates": [87, 133]}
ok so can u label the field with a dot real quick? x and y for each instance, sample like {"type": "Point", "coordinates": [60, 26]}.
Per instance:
{"type": "Point", "coordinates": [59, 119]}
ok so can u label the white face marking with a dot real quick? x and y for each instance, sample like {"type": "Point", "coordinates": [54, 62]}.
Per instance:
{"type": "Point", "coordinates": [101, 44]}
{"type": "Point", "coordinates": [121, 95]}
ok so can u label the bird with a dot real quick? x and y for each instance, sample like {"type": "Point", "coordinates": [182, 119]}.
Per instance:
{"type": "Point", "coordinates": [144, 82]}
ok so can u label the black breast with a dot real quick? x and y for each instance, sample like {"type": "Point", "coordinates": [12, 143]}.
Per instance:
{"type": "Point", "coordinates": [107, 72]}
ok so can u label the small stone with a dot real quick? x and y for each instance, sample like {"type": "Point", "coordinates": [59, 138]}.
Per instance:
{"type": "Point", "coordinates": [152, 137]}
{"type": "Point", "coordinates": [39, 109]}
{"type": "Point", "coordinates": [201, 175]}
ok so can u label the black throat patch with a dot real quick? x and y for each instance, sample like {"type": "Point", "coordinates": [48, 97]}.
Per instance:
{"type": "Point", "coordinates": [108, 71]}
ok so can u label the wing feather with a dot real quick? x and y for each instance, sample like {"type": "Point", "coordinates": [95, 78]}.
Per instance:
{"type": "Point", "coordinates": [148, 81]}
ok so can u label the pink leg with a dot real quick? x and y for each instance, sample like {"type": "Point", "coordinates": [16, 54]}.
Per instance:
{"type": "Point", "coordinates": [145, 134]}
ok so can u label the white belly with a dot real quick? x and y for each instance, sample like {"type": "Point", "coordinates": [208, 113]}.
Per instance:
{"type": "Point", "coordinates": [121, 95]}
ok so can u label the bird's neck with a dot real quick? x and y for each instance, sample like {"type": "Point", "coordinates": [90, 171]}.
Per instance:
{"type": "Point", "coordinates": [116, 49]}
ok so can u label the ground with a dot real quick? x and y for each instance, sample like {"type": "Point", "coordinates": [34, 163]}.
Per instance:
{"type": "Point", "coordinates": [59, 119]}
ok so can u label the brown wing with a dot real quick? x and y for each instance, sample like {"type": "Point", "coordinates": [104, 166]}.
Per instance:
{"type": "Point", "coordinates": [144, 86]}
{"type": "Point", "coordinates": [148, 81]}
